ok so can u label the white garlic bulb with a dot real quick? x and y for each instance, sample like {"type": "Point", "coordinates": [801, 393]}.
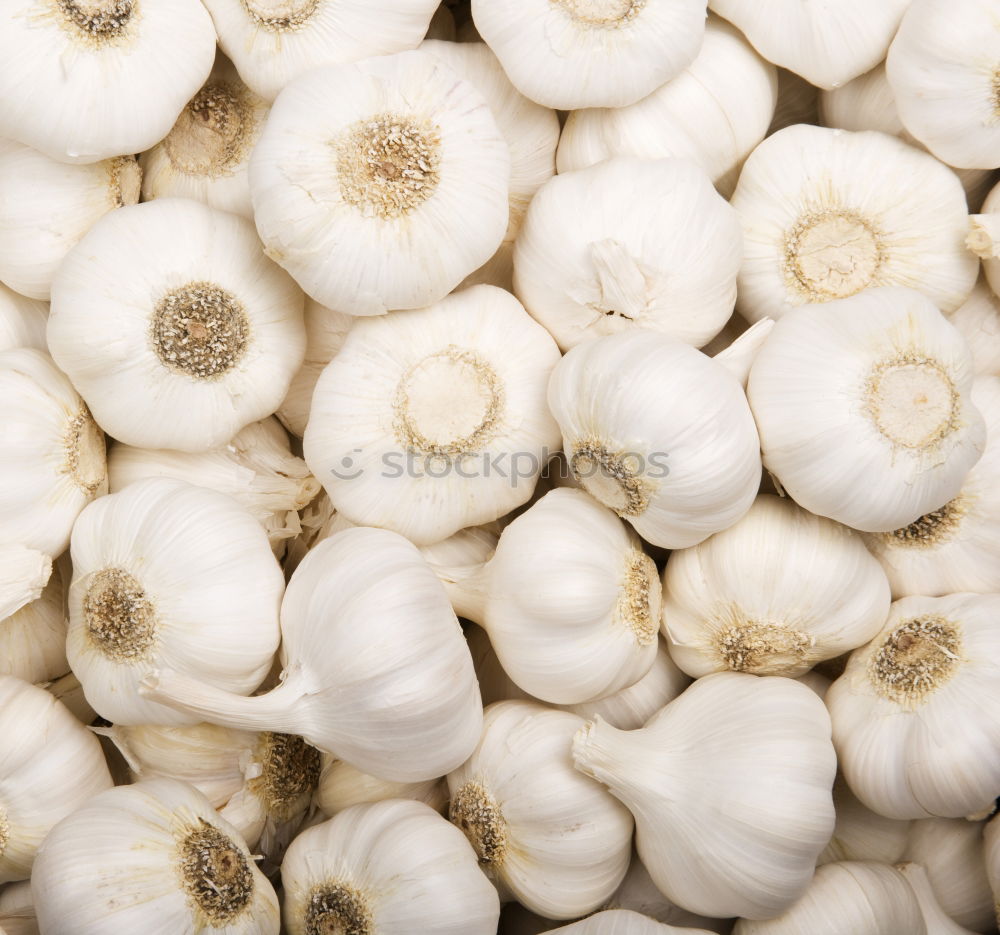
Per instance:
{"type": "Point", "coordinates": [459, 559]}
{"type": "Point", "coordinates": [622, 922]}
{"type": "Point", "coordinates": [47, 208]}
{"type": "Point", "coordinates": [881, 376]}
{"type": "Point", "coordinates": [153, 857]}
{"type": "Point", "coordinates": [86, 81]}
{"type": "Point", "coordinates": [860, 833]}
{"type": "Point", "coordinates": [169, 574]}
{"type": "Point", "coordinates": [52, 461]}
{"type": "Point", "coordinates": [908, 712]}
{"type": "Point", "coordinates": [629, 243]}
{"type": "Point", "coordinates": [434, 419]}
{"type": "Point", "coordinates": [677, 473]}
{"type": "Point", "coordinates": [569, 54]}
{"type": "Point", "coordinates": [829, 213]}
{"type": "Point", "coordinates": [341, 785]}
{"type": "Point", "coordinates": [713, 113]}
{"type": "Point", "coordinates": [50, 765]}
{"type": "Point", "coordinates": [23, 574]}
{"type": "Point", "coordinates": [713, 846]}
{"type": "Point", "coordinates": [33, 635]}
{"type": "Point", "coordinates": [22, 321]}
{"type": "Point", "coordinates": [935, 918]}
{"type": "Point", "coordinates": [774, 594]}
{"type": "Point", "coordinates": [546, 835]}
{"type": "Point", "coordinates": [206, 154]}
{"type": "Point", "coordinates": [380, 185]}
{"type": "Point", "coordinates": [991, 840]}
{"type": "Point", "coordinates": [860, 897]}
{"type": "Point", "coordinates": [207, 331]}
{"type": "Point", "coordinates": [978, 320]}
{"type": "Point", "coordinates": [390, 868]}
{"type": "Point", "coordinates": [376, 671]}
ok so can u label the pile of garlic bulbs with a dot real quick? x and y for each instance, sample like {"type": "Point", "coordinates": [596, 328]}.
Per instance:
{"type": "Point", "coordinates": [499, 467]}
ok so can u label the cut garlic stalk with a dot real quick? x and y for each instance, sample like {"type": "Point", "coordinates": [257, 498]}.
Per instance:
{"type": "Point", "coordinates": [342, 785]}
{"type": "Point", "coordinates": [33, 634]}
{"type": "Point", "coordinates": [622, 922]}
{"type": "Point", "coordinates": [935, 918]}
{"type": "Point", "coordinates": [22, 321]}
{"type": "Point", "coordinates": [978, 320]}
{"type": "Point", "coordinates": [860, 833]}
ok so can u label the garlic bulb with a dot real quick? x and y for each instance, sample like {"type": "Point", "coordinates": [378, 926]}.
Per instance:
{"type": "Point", "coordinates": [860, 833]}
{"type": "Point", "coordinates": [272, 42]}
{"type": "Point", "coordinates": [828, 213]}
{"type": "Point", "coordinates": [86, 80]}
{"type": "Point", "coordinates": [774, 594]}
{"type": "Point", "coordinates": [677, 473]}
{"type": "Point", "coordinates": [46, 207]}
{"type": "Point", "coordinates": [153, 857]}
{"type": "Point", "coordinates": [860, 897]}
{"type": "Point", "coordinates": [22, 321]}
{"type": "Point", "coordinates": [50, 765]}
{"type": "Point", "coordinates": [206, 154]}
{"type": "Point", "coordinates": [531, 132]}
{"type": "Point", "coordinates": [256, 468]}
{"type": "Point", "coordinates": [909, 711]}
{"type": "Point", "coordinates": [629, 243]}
{"type": "Point", "coordinates": [883, 376]}
{"type": "Point", "coordinates": [33, 636]}
{"type": "Point", "coordinates": [622, 922]}
{"type": "Point", "coordinates": [798, 102]}
{"type": "Point", "coordinates": [52, 461]}
{"type": "Point", "coordinates": [376, 671]}
{"type": "Point", "coordinates": [23, 574]}
{"type": "Point", "coordinates": [713, 113]}
{"type": "Point", "coordinates": [381, 185]}
{"type": "Point", "coordinates": [978, 320]}
{"type": "Point", "coordinates": [547, 836]}
{"type": "Point", "coordinates": [935, 918]}
{"type": "Point", "coordinates": [342, 785]}
{"type": "Point", "coordinates": [713, 846]}
{"type": "Point", "coordinates": [169, 574]}
{"type": "Point", "coordinates": [434, 419]}
{"type": "Point", "coordinates": [827, 44]}
{"type": "Point", "coordinates": [389, 868]}
{"type": "Point", "coordinates": [991, 840]}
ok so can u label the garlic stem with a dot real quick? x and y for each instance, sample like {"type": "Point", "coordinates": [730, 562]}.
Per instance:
{"type": "Point", "coordinates": [738, 358]}
{"type": "Point", "coordinates": [468, 595]}
{"type": "Point", "coordinates": [599, 750]}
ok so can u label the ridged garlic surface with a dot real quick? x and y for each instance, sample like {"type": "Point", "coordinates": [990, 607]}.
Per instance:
{"type": "Point", "coordinates": [22, 321]}
{"type": "Point", "coordinates": [828, 44]}
{"type": "Point", "coordinates": [547, 836]}
{"type": "Point", "coordinates": [629, 243]}
{"type": "Point", "coordinates": [434, 419]}
{"type": "Point", "coordinates": [864, 410]}
{"type": "Point", "coordinates": [50, 764]}
{"type": "Point", "coordinates": [52, 459]}
{"type": "Point", "coordinates": [47, 206]}
{"type": "Point", "coordinates": [677, 473]}
{"type": "Point", "coordinates": [153, 857]}
{"type": "Point", "coordinates": [381, 185]}
{"type": "Point", "coordinates": [978, 320]}
{"type": "Point", "coordinates": [938, 922]}
{"type": "Point", "coordinates": [206, 154]}
{"type": "Point", "coordinates": [376, 671]}
{"type": "Point", "coordinates": [622, 922]}
{"type": "Point", "coordinates": [827, 214]}
{"type": "Point", "coordinates": [207, 332]}
{"type": "Point", "coordinates": [774, 594]}
{"type": "Point", "coordinates": [860, 897]}
{"type": "Point", "coordinates": [713, 845]}
{"type": "Point", "coordinates": [341, 785]}
{"type": "Point", "coordinates": [860, 833]}
{"type": "Point", "coordinates": [991, 842]}
{"type": "Point", "coordinates": [909, 714]}
{"type": "Point", "coordinates": [713, 113]}
{"type": "Point", "coordinates": [166, 574]}
{"type": "Point", "coordinates": [386, 868]}
{"type": "Point", "coordinates": [85, 81]}
{"type": "Point", "coordinates": [568, 54]}
{"type": "Point", "coordinates": [33, 635]}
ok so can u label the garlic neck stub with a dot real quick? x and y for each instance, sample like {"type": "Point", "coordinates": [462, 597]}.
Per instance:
{"type": "Point", "coordinates": [341, 785]}
{"type": "Point", "coordinates": [901, 691]}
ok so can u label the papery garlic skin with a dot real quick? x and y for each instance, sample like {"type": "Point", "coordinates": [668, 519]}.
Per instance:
{"type": "Point", "coordinates": [978, 320]}
{"type": "Point", "coordinates": [935, 918]}
{"type": "Point", "coordinates": [52, 460]}
{"type": "Point", "coordinates": [166, 573]}
{"type": "Point", "coordinates": [860, 833]}
{"type": "Point", "coordinates": [207, 331]}
{"type": "Point", "coordinates": [434, 419]}
{"type": "Point", "coordinates": [658, 467]}
{"type": "Point", "coordinates": [711, 846]}
{"type": "Point", "coordinates": [33, 636]}
{"type": "Point", "coordinates": [46, 207]}
{"type": "Point", "coordinates": [50, 765]}
{"type": "Point", "coordinates": [861, 897]}
{"type": "Point", "coordinates": [908, 716]}
{"type": "Point", "coordinates": [827, 214]}
{"type": "Point", "coordinates": [22, 321]}
{"type": "Point", "coordinates": [342, 785]}
{"type": "Point", "coordinates": [622, 922]}
{"type": "Point", "coordinates": [153, 857]}
{"type": "Point", "coordinates": [140, 61]}
{"type": "Point", "coordinates": [774, 594]}
{"type": "Point", "coordinates": [390, 868]}
{"type": "Point", "coordinates": [881, 375]}
{"type": "Point", "coordinates": [629, 243]}
{"type": "Point", "coordinates": [382, 184]}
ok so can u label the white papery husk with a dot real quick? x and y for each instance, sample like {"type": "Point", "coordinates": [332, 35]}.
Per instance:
{"type": "Point", "coordinates": [938, 922]}
{"type": "Point", "coordinates": [33, 636]}
{"type": "Point", "coordinates": [978, 320]}
{"type": "Point", "coordinates": [622, 922]}
{"type": "Point", "coordinates": [22, 321]}
{"type": "Point", "coordinates": [860, 833]}
{"type": "Point", "coordinates": [342, 785]}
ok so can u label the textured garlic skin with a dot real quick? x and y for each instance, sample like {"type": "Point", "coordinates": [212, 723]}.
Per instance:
{"type": "Point", "coordinates": [978, 320]}
{"type": "Point", "coordinates": [342, 785]}
{"type": "Point", "coordinates": [936, 919]}
{"type": "Point", "coordinates": [883, 376]}
{"type": "Point", "coordinates": [711, 848]}
{"type": "Point", "coordinates": [391, 868]}
{"type": "Point", "coordinates": [140, 61]}
{"type": "Point", "coordinates": [622, 922]}
{"type": "Point", "coordinates": [152, 857]}
{"type": "Point", "coordinates": [50, 764]}
{"type": "Point", "coordinates": [22, 321]}
{"type": "Point", "coordinates": [33, 636]}
{"type": "Point", "coordinates": [898, 707]}
{"type": "Point", "coordinates": [861, 834]}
